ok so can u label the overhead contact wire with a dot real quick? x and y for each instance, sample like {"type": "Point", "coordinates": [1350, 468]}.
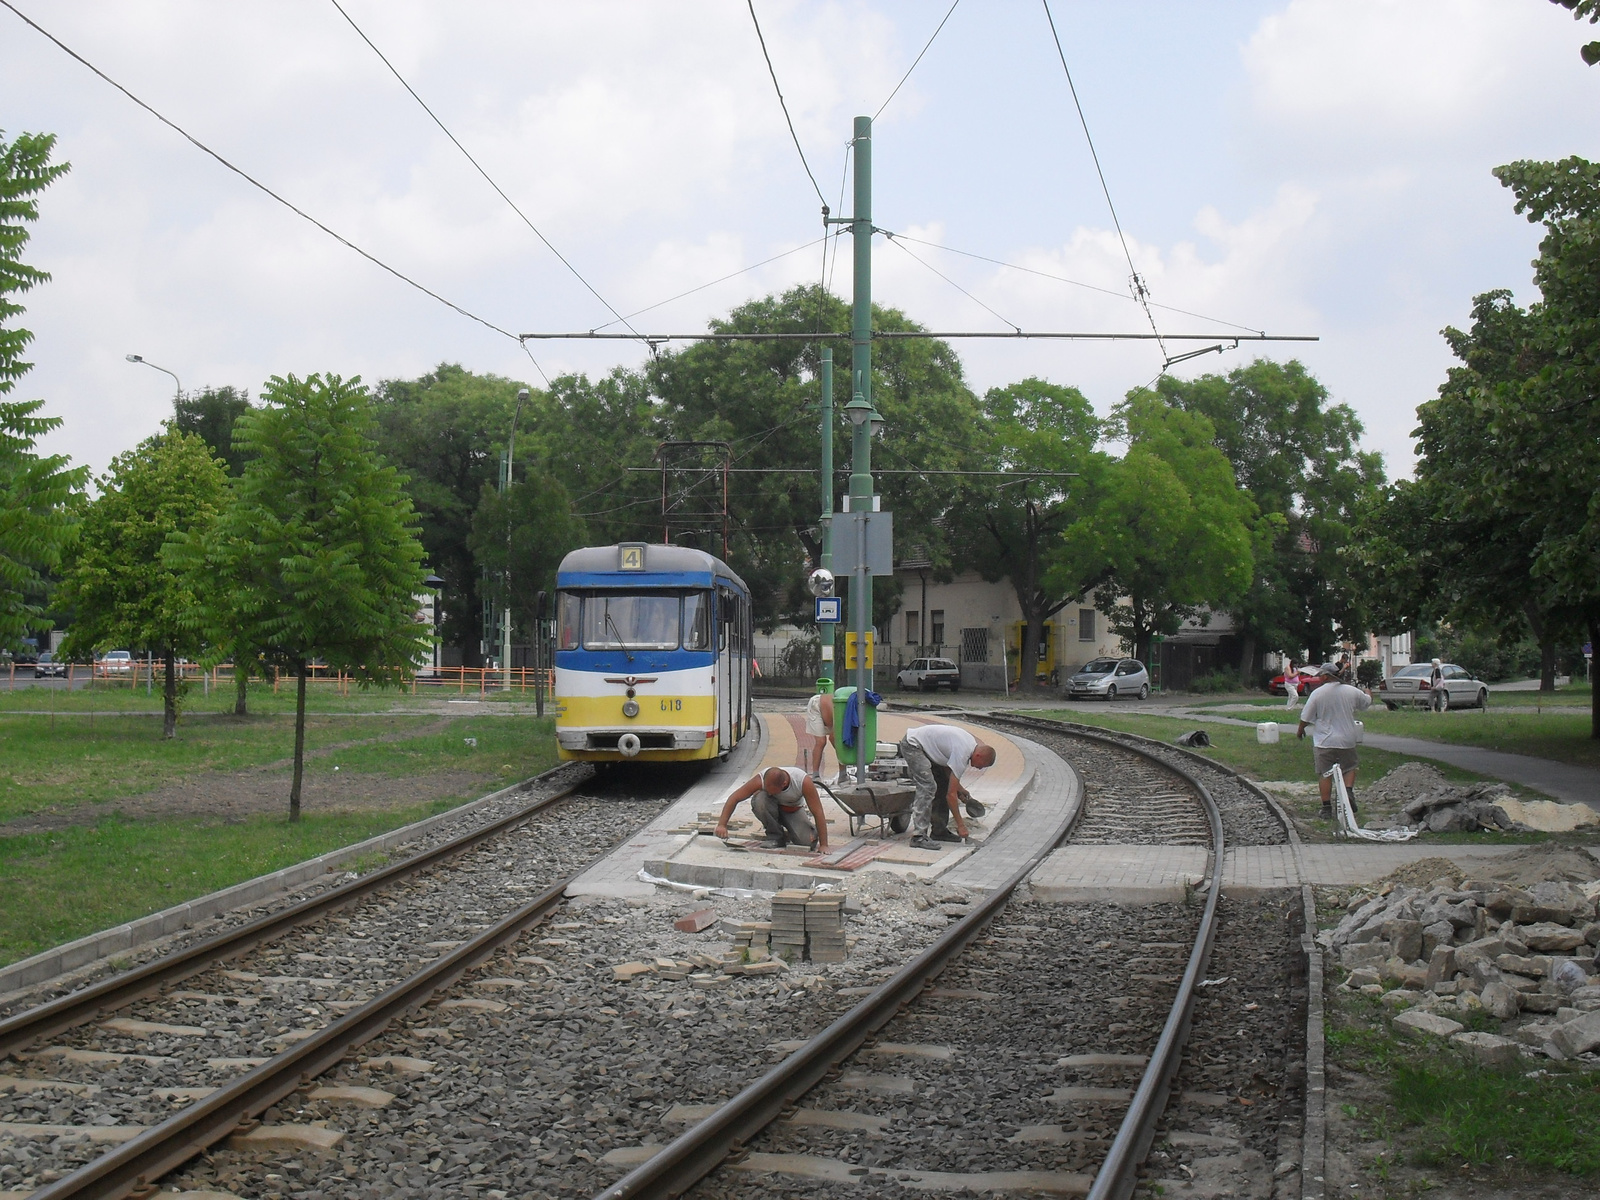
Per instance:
{"type": "Point", "coordinates": [250, 179]}
{"type": "Point", "coordinates": [893, 241]}
{"type": "Point", "coordinates": [1139, 289]}
{"type": "Point", "coordinates": [913, 65]}
{"type": "Point", "coordinates": [479, 168]}
{"type": "Point", "coordinates": [784, 104]}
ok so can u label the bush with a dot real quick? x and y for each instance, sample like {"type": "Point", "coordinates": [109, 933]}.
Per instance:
{"type": "Point", "coordinates": [802, 657]}
{"type": "Point", "coordinates": [1216, 681]}
{"type": "Point", "coordinates": [1369, 672]}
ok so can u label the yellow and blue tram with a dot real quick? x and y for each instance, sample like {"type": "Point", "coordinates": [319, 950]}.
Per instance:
{"type": "Point", "coordinates": [652, 657]}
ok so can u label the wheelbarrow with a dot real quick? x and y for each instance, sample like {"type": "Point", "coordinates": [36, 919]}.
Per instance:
{"type": "Point", "coordinates": [887, 802]}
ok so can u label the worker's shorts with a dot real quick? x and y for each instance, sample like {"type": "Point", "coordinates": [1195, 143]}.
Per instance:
{"type": "Point", "coordinates": [814, 725]}
{"type": "Point", "coordinates": [793, 823]}
{"type": "Point", "coordinates": [1328, 757]}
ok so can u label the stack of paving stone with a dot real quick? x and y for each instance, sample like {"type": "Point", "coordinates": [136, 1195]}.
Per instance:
{"type": "Point", "coordinates": [788, 932]}
{"type": "Point", "coordinates": [753, 937]}
{"type": "Point", "coordinates": [1523, 956]}
{"type": "Point", "coordinates": [825, 927]}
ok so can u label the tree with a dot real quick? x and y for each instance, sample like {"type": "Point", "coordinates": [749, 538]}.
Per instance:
{"type": "Point", "coordinates": [1547, 426]}
{"type": "Point", "coordinates": [319, 547]}
{"type": "Point", "coordinates": [124, 591]}
{"type": "Point", "coordinates": [1012, 528]}
{"type": "Point", "coordinates": [211, 414]}
{"type": "Point", "coordinates": [37, 493]}
{"type": "Point", "coordinates": [446, 431]}
{"type": "Point", "coordinates": [1589, 52]}
{"type": "Point", "coordinates": [1169, 527]}
{"type": "Point", "coordinates": [1300, 459]}
{"type": "Point", "coordinates": [519, 538]}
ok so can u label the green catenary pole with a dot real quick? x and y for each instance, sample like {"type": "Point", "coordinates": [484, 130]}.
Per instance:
{"type": "Point", "coordinates": [861, 388]}
{"type": "Point", "coordinates": [825, 633]}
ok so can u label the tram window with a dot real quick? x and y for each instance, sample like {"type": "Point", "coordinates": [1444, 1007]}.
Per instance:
{"type": "Point", "coordinates": [567, 609]}
{"type": "Point", "coordinates": [697, 621]}
{"type": "Point", "coordinates": [634, 622]}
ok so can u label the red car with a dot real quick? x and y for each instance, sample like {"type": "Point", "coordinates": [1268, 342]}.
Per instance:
{"type": "Point", "coordinates": [1307, 681]}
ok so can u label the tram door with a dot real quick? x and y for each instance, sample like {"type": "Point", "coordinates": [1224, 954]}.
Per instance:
{"type": "Point", "coordinates": [727, 614]}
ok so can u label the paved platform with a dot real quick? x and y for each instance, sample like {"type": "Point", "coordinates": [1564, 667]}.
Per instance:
{"type": "Point", "coordinates": [1153, 874]}
{"type": "Point", "coordinates": [1001, 842]}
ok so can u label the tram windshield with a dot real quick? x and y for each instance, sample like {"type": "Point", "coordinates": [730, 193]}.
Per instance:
{"type": "Point", "coordinates": [613, 621]}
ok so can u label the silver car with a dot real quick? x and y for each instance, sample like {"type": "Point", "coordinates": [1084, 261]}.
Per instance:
{"type": "Point", "coordinates": [1412, 685]}
{"type": "Point", "coordinates": [1108, 678]}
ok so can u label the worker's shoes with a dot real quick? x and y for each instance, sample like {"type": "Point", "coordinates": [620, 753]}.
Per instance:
{"type": "Point", "coordinates": [924, 843]}
{"type": "Point", "coordinates": [976, 808]}
{"type": "Point", "coordinates": [775, 843]}
{"type": "Point", "coordinates": [944, 835]}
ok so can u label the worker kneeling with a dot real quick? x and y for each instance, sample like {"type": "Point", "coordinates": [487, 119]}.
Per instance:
{"type": "Point", "coordinates": [779, 797]}
{"type": "Point", "coordinates": [937, 756]}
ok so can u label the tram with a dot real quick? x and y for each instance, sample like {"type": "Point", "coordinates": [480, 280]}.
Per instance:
{"type": "Point", "coordinates": [652, 658]}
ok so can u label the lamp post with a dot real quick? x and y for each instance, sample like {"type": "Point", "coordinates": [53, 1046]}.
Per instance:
{"type": "Point", "coordinates": [177, 385]}
{"type": "Point", "coordinates": [505, 485]}
{"type": "Point", "coordinates": [434, 584]}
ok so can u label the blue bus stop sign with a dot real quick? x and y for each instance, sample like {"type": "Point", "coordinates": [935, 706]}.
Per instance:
{"type": "Point", "coordinates": [830, 610]}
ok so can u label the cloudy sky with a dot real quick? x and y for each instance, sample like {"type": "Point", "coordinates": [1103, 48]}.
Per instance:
{"type": "Point", "coordinates": [1312, 167]}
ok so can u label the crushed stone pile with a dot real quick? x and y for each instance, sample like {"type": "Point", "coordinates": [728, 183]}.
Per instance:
{"type": "Point", "coordinates": [1523, 954]}
{"type": "Point", "coordinates": [1425, 800]}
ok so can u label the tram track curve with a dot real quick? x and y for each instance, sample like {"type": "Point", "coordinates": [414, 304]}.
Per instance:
{"type": "Point", "coordinates": [726, 1135]}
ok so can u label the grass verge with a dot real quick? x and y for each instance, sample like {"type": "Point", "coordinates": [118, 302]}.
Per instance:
{"type": "Point", "coordinates": [1438, 1107]}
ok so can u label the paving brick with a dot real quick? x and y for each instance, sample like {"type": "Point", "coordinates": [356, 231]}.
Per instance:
{"type": "Point", "coordinates": [697, 921]}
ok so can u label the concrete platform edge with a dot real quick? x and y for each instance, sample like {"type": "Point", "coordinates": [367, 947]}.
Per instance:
{"type": "Point", "coordinates": [95, 947]}
{"type": "Point", "coordinates": [1314, 1140]}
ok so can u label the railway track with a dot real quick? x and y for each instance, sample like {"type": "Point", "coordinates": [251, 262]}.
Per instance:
{"type": "Point", "coordinates": [1025, 1069]}
{"type": "Point", "coordinates": [123, 1080]}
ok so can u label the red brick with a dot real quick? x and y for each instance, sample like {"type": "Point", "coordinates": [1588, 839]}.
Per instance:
{"type": "Point", "coordinates": [696, 921]}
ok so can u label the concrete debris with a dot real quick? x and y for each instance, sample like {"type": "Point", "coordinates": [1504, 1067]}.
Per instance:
{"type": "Point", "coordinates": [1523, 955]}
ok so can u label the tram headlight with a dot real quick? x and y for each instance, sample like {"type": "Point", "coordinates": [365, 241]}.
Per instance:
{"type": "Point", "coordinates": [630, 708]}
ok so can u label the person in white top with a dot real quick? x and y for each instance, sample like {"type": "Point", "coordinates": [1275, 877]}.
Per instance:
{"type": "Point", "coordinates": [819, 727]}
{"type": "Point", "coordinates": [1330, 714]}
{"type": "Point", "coordinates": [779, 797]}
{"type": "Point", "coordinates": [1291, 684]}
{"type": "Point", "coordinates": [937, 756]}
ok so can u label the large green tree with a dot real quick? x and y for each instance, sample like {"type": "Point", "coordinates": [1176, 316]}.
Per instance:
{"type": "Point", "coordinates": [519, 537]}
{"type": "Point", "coordinates": [1011, 528]}
{"type": "Point", "coordinates": [122, 588]}
{"type": "Point", "coordinates": [1299, 457]}
{"type": "Point", "coordinates": [37, 492]}
{"type": "Point", "coordinates": [1169, 526]}
{"type": "Point", "coordinates": [318, 548]}
{"type": "Point", "coordinates": [211, 414]}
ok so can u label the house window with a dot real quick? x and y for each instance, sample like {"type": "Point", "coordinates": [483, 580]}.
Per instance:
{"type": "Point", "coordinates": [913, 627]}
{"type": "Point", "coordinates": [936, 627]}
{"type": "Point", "coordinates": [1086, 625]}
{"type": "Point", "coordinates": [975, 645]}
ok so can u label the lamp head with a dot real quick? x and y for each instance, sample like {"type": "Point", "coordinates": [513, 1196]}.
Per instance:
{"type": "Point", "coordinates": [433, 582]}
{"type": "Point", "coordinates": [522, 396]}
{"type": "Point", "coordinates": [858, 410]}
{"type": "Point", "coordinates": [134, 357]}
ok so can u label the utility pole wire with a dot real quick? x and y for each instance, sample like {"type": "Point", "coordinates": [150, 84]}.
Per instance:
{"type": "Point", "coordinates": [499, 191]}
{"type": "Point", "coordinates": [893, 241]}
{"type": "Point", "coordinates": [250, 179]}
{"type": "Point", "coordinates": [913, 65]}
{"type": "Point", "coordinates": [784, 105]}
{"type": "Point", "coordinates": [1140, 291]}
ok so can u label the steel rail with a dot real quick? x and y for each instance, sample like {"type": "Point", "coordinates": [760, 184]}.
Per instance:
{"type": "Point", "coordinates": [87, 1004]}
{"type": "Point", "coordinates": [134, 1167]}
{"type": "Point", "coordinates": [1118, 1174]}
{"type": "Point", "coordinates": [699, 1150]}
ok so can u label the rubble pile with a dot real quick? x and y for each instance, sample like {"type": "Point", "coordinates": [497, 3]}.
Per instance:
{"type": "Point", "coordinates": [1525, 956]}
{"type": "Point", "coordinates": [1452, 808]}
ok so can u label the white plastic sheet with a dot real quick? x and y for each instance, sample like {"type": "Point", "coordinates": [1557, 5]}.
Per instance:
{"type": "Point", "coordinates": [1346, 817]}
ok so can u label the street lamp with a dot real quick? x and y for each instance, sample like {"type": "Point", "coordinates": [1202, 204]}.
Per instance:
{"type": "Point", "coordinates": [138, 358]}
{"type": "Point", "coordinates": [505, 484]}
{"type": "Point", "coordinates": [861, 412]}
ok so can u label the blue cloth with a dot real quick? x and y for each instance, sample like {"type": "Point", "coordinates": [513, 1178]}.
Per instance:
{"type": "Point", "coordinates": [852, 715]}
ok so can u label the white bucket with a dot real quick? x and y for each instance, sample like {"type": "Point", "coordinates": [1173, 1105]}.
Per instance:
{"type": "Point", "coordinates": [1267, 733]}
{"type": "Point", "coordinates": [1361, 732]}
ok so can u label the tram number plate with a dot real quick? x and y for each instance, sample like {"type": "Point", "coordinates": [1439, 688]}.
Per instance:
{"type": "Point", "coordinates": [672, 706]}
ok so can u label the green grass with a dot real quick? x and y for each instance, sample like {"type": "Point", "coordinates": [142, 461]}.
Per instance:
{"type": "Point", "coordinates": [58, 886]}
{"type": "Point", "coordinates": [1562, 736]}
{"type": "Point", "coordinates": [1447, 1110]}
{"type": "Point", "coordinates": [118, 696]}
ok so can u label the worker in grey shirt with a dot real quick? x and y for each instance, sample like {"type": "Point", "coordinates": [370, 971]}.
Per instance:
{"type": "Point", "coordinates": [1330, 714]}
{"type": "Point", "coordinates": [779, 797]}
{"type": "Point", "coordinates": [954, 749]}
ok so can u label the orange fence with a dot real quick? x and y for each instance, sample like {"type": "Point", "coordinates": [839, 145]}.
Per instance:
{"type": "Point", "coordinates": [460, 680]}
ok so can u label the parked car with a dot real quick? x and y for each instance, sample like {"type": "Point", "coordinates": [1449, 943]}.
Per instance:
{"type": "Point", "coordinates": [927, 674]}
{"type": "Point", "coordinates": [48, 667]}
{"type": "Point", "coordinates": [1109, 678]}
{"type": "Point", "coordinates": [116, 662]}
{"type": "Point", "coordinates": [1309, 678]}
{"type": "Point", "coordinates": [1413, 685]}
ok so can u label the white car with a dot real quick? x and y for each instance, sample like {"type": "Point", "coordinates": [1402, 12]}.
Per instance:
{"type": "Point", "coordinates": [1108, 678]}
{"type": "Point", "coordinates": [117, 662]}
{"type": "Point", "coordinates": [928, 674]}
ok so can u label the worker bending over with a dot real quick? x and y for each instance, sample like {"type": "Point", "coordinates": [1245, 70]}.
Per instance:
{"type": "Point", "coordinates": [779, 797]}
{"type": "Point", "coordinates": [937, 756]}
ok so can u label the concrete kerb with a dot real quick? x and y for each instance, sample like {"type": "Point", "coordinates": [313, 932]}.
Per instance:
{"type": "Point", "coordinates": [96, 947]}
